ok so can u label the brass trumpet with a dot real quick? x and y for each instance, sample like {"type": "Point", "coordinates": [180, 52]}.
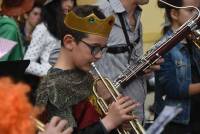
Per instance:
{"type": "Point", "coordinates": [135, 125]}
{"type": "Point", "coordinates": [39, 125]}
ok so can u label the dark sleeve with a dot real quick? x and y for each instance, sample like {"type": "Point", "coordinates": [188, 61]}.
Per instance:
{"type": "Point", "coordinates": [42, 92]}
{"type": "Point", "coordinates": [96, 128]}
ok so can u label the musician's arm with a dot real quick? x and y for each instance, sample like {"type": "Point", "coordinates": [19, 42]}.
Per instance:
{"type": "Point", "coordinates": [154, 67]}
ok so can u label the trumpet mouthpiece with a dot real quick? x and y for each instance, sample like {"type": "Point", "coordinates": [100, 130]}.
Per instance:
{"type": "Point", "coordinates": [93, 65]}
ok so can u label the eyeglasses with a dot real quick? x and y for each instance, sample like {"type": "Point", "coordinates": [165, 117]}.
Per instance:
{"type": "Point", "coordinates": [95, 48]}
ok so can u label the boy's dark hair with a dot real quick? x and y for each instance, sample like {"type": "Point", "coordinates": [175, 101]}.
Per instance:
{"type": "Point", "coordinates": [82, 11]}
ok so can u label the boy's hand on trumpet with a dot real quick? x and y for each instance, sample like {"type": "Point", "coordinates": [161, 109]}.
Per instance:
{"type": "Point", "coordinates": [119, 112]}
{"type": "Point", "coordinates": [57, 126]}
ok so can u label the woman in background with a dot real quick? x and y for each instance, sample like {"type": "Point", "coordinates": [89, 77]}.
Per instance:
{"type": "Point", "coordinates": [45, 37]}
{"type": "Point", "coordinates": [29, 22]}
{"type": "Point", "coordinates": [178, 81]}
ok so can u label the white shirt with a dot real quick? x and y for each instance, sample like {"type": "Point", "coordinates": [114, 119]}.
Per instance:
{"type": "Point", "coordinates": [39, 50]}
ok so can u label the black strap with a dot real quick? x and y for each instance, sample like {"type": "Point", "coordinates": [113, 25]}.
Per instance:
{"type": "Point", "coordinates": [130, 46]}
{"type": "Point", "coordinates": [117, 50]}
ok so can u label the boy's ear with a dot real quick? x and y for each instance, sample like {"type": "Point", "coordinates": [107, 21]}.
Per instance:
{"type": "Point", "coordinates": [68, 42]}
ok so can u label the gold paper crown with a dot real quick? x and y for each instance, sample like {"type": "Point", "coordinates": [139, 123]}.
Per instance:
{"type": "Point", "coordinates": [90, 24]}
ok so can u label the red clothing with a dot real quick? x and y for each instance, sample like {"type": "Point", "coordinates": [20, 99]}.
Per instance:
{"type": "Point", "coordinates": [85, 114]}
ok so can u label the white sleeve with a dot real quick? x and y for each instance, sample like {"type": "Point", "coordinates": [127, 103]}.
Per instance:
{"type": "Point", "coordinates": [34, 53]}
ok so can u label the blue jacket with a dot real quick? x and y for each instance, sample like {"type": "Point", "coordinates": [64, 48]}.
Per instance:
{"type": "Point", "coordinates": [173, 80]}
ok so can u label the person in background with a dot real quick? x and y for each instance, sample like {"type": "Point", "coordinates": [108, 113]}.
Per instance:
{"type": "Point", "coordinates": [29, 22]}
{"type": "Point", "coordinates": [45, 37]}
{"type": "Point", "coordinates": [178, 81]}
{"type": "Point", "coordinates": [120, 54]}
{"type": "Point", "coordinates": [66, 91]}
{"type": "Point", "coordinates": [9, 27]}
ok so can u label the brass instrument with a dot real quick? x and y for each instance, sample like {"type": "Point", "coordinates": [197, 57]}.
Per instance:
{"type": "Point", "coordinates": [162, 47]}
{"type": "Point", "coordinates": [39, 125]}
{"type": "Point", "coordinates": [195, 37]}
{"type": "Point", "coordinates": [136, 126]}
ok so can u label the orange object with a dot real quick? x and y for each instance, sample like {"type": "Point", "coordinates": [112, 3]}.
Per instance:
{"type": "Point", "coordinates": [15, 109]}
